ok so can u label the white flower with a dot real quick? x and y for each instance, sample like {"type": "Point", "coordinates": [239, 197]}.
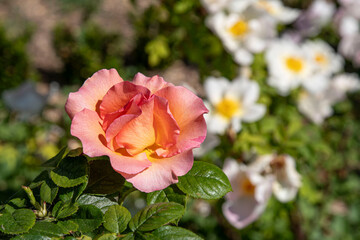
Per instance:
{"type": "Point", "coordinates": [349, 47]}
{"type": "Point", "coordinates": [315, 17]}
{"type": "Point", "coordinates": [325, 62]}
{"type": "Point", "coordinates": [231, 103]}
{"type": "Point", "coordinates": [251, 192]}
{"type": "Point", "coordinates": [315, 106]}
{"type": "Point", "coordinates": [342, 84]}
{"type": "Point", "coordinates": [242, 33]}
{"type": "Point", "coordinates": [277, 10]}
{"type": "Point", "coordinates": [288, 65]}
{"type": "Point", "coordinates": [213, 6]}
{"type": "Point", "coordinates": [287, 180]}
{"type": "Point", "coordinates": [324, 58]}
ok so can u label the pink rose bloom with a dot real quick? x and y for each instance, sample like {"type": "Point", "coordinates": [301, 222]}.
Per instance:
{"type": "Point", "coordinates": [147, 127]}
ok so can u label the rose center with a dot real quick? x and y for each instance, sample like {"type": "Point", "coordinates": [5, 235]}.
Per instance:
{"type": "Point", "coordinates": [240, 28]}
{"type": "Point", "coordinates": [295, 64]}
{"type": "Point", "coordinates": [228, 107]}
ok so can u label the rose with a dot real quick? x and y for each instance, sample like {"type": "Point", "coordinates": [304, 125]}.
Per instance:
{"type": "Point", "coordinates": [147, 127]}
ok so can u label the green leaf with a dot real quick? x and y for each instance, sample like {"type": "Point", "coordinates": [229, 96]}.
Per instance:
{"type": "Point", "coordinates": [31, 237]}
{"type": "Point", "coordinates": [46, 229]}
{"type": "Point", "coordinates": [205, 181]}
{"type": "Point", "coordinates": [71, 171]}
{"type": "Point", "coordinates": [71, 194]}
{"type": "Point", "coordinates": [14, 204]}
{"type": "Point", "coordinates": [88, 218]}
{"type": "Point", "coordinates": [63, 210]}
{"type": "Point", "coordinates": [107, 236]}
{"type": "Point", "coordinates": [19, 221]}
{"type": "Point", "coordinates": [129, 236]}
{"type": "Point", "coordinates": [145, 236]}
{"type": "Point", "coordinates": [39, 179]}
{"type": "Point", "coordinates": [67, 226]}
{"type": "Point", "coordinates": [169, 194]}
{"type": "Point", "coordinates": [116, 219]}
{"type": "Point", "coordinates": [103, 203]}
{"type": "Point", "coordinates": [48, 190]}
{"type": "Point", "coordinates": [53, 162]}
{"type": "Point", "coordinates": [103, 179]}
{"type": "Point", "coordinates": [156, 215]}
{"type": "Point", "coordinates": [175, 233]}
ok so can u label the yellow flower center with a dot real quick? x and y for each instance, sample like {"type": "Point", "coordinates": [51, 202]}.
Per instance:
{"type": "Point", "coordinates": [247, 187]}
{"type": "Point", "coordinates": [295, 64]}
{"type": "Point", "coordinates": [320, 59]}
{"type": "Point", "coordinates": [228, 107]}
{"type": "Point", "coordinates": [240, 28]}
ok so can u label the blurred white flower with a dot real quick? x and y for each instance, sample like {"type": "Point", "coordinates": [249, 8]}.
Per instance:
{"type": "Point", "coordinates": [352, 7]}
{"type": "Point", "coordinates": [288, 66]}
{"type": "Point", "coordinates": [231, 103]}
{"type": "Point", "coordinates": [325, 62]}
{"type": "Point", "coordinates": [342, 84]}
{"type": "Point", "coordinates": [287, 180]}
{"type": "Point", "coordinates": [242, 33]}
{"type": "Point", "coordinates": [324, 58]}
{"type": "Point", "coordinates": [277, 10]}
{"type": "Point", "coordinates": [213, 6]}
{"type": "Point", "coordinates": [310, 22]}
{"type": "Point", "coordinates": [318, 106]}
{"type": "Point", "coordinates": [349, 47]}
{"type": "Point", "coordinates": [315, 106]}
{"type": "Point", "coordinates": [251, 192]}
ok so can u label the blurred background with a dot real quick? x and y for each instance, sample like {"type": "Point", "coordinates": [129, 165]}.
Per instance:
{"type": "Point", "coordinates": [48, 48]}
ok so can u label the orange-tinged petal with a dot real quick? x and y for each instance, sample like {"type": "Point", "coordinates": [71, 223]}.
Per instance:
{"type": "Point", "coordinates": [139, 133]}
{"type": "Point", "coordinates": [166, 128]}
{"type": "Point", "coordinates": [86, 126]}
{"type": "Point", "coordinates": [92, 91]}
{"type": "Point", "coordinates": [154, 83]}
{"type": "Point", "coordinates": [188, 110]}
{"type": "Point", "coordinates": [162, 172]}
{"type": "Point", "coordinates": [119, 95]}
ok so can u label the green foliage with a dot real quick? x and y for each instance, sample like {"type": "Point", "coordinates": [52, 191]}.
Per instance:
{"type": "Point", "coordinates": [116, 219]}
{"type": "Point", "coordinates": [19, 221]}
{"type": "Point", "coordinates": [13, 51]}
{"type": "Point", "coordinates": [155, 216]}
{"type": "Point", "coordinates": [60, 203]}
{"type": "Point", "coordinates": [86, 52]}
{"type": "Point", "coordinates": [205, 181]}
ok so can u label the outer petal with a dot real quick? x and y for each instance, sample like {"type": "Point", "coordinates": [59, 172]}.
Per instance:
{"type": "Point", "coordinates": [138, 133]}
{"type": "Point", "coordinates": [119, 95]}
{"type": "Point", "coordinates": [154, 83]}
{"type": "Point", "coordinates": [162, 172]}
{"type": "Point", "coordinates": [188, 110]}
{"type": "Point", "coordinates": [92, 91]}
{"type": "Point", "coordinates": [86, 127]}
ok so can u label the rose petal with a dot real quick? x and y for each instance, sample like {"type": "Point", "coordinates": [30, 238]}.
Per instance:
{"type": "Point", "coordinates": [119, 95]}
{"type": "Point", "coordinates": [139, 133]}
{"type": "Point", "coordinates": [86, 126]}
{"type": "Point", "coordinates": [162, 172]}
{"type": "Point", "coordinates": [166, 128]}
{"type": "Point", "coordinates": [92, 91]}
{"type": "Point", "coordinates": [188, 110]}
{"type": "Point", "coordinates": [154, 83]}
